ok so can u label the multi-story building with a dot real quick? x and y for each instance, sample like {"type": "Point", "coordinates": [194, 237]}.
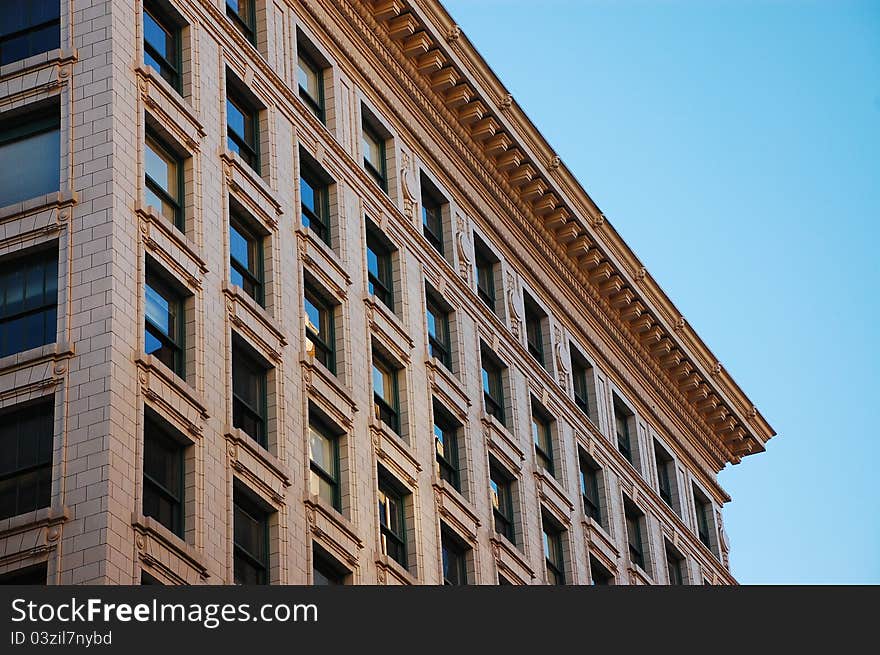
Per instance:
{"type": "Point", "coordinates": [294, 292]}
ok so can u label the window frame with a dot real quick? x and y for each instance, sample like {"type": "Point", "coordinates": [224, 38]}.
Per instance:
{"type": "Point", "coordinates": [19, 415]}
{"type": "Point", "coordinates": [256, 278]}
{"type": "Point", "coordinates": [624, 442]}
{"type": "Point", "coordinates": [485, 273]}
{"type": "Point", "coordinates": [664, 462]}
{"type": "Point", "coordinates": [493, 376]}
{"type": "Point", "coordinates": [159, 433]}
{"type": "Point", "coordinates": [332, 478]}
{"type": "Point", "coordinates": [451, 546]}
{"type": "Point", "coordinates": [177, 343]}
{"type": "Point", "coordinates": [326, 344]}
{"type": "Point", "coordinates": [434, 307]}
{"type": "Point", "coordinates": [381, 406]}
{"type": "Point", "coordinates": [380, 176]}
{"type": "Point", "coordinates": [534, 317]}
{"type": "Point", "coordinates": [316, 105]}
{"type": "Point", "coordinates": [501, 486]}
{"type": "Point", "coordinates": [34, 122]}
{"type": "Point", "coordinates": [247, 25]}
{"type": "Point", "coordinates": [551, 538]}
{"type": "Point", "coordinates": [383, 254]}
{"type": "Point", "coordinates": [259, 414]}
{"type": "Point", "coordinates": [674, 570]}
{"type": "Point", "coordinates": [432, 208]}
{"type": "Point", "coordinates": [245, 504]}
{"type": "Point", "coordinates": [389, 491]}
{"type": "Point", "coordinates": [249, 153]}
{"type": "Point", "coordinates": [29, 31]}
{"type": "Point", "coordinates": [703, 523]}
{"type": "Point", "coordinates": [319, 221]}
{"type": "Point", "coordinates": [163, 20]}
{"type": "Point", "coordinates": [448, 465]}
{"type": "Point", "coordinates": [48, 259]}
{"type": "Point", "coordinates": [588, 477]}
{"type": "Point", "coordinates": [542, 431]}
{"type": "Point", "coordinates": [158, 145]}
{"type": "Point", "coordinates": [580, 381]}
{"type": "Point", "coordinates": [635, 539]}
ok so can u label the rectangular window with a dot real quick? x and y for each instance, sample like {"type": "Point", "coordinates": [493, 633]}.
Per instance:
{"type": "Point", "coordinates": [320, 329]}
{"type": "Point", "coordinates": [674, 565]}
{"type": "Point", "coordinates": [534, 328]}
{"type": "Point", "coordinates": [324, 463]}
{"type": "Point", "coordinates": [582, 375]}
{"type": "Point", "coordinates": [543, 439]}
{"type": "Point", "coordinates": [314, 195]}
{"type": "Point", "coordinates": [30, 154]}
{"type": "Point", "coordinates": [30, 575]}
{"type": "Point", "coordinates": [164, 324]}
{"type": "Point", "coordinates": [379, 269]}
{"type": "Point", "coordinates": [385, 393]}
{"type": "Point", "coordinates": [243, 129]}
{"type": "Point", "coordinates": [634, 520]}
{"type": "Point", "coordinates": [163, 180]}
{"type": "Point", "coordinates": [28, 301]}
{"type": "Point", "coordinates": [248, 393]}
{"type": "Point", "coordinates": [485, 261]}
{"type": "Point", "coordinates": [665, 473]}
{"type": "Point", "coordinates": [246, 258]}
{"type": "Point", "coordinates": [703, 509]}
{"type": "Point", "coordinates": [163, 476]}
{"type": "Point", "coordinates": [501, 485]}
{"type": "Point", "coordinates": [446, 446]}
{"type": "Point", "coordinates": [493, 387]}
{"type": "Point", "coordinates": [162, 44]}
{"type": "Point", "coordinates": [26, 439]}
{"type": "Point", "coordinates": [325, 570]}
{"type": "Point", "coordinates": [439, 341]}
{"type": "Point", "coordinates": [599, 574]}
{"type": "Point", "coordinates": [621, 428]}
{"type": "Point", "coordinates": [243, 15]}
{"type": "Point", "coordinates": [454, 558]}
{"type": "Point", "coordinates": [392, 522]}
{"type": "Point", "coordinates": [432, 215]}
{"type": "Point", "coordinates": [311, 84]}
{"type": "Point", "coordinates": [374, 156]}
{"type": "Point", "coordinates": [553, 559]}
{"type": "Point", "coordinates": [589, 479]}
{"type": "Point", "coordinates": [250, 540]}
{"type": "Point", "coordinates": [28, 28]}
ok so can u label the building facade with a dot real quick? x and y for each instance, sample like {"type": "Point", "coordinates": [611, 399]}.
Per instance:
{"type": "Point", "coordinates": [293, 292]}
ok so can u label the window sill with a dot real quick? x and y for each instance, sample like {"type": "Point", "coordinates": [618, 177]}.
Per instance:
{"type": "Point", "coordinates": [45, 517]}
{"type": "Point", "coordinates": [502, 444]}
{"type": "Point", "coordinates": [151, 220]}
{"type": "Point", "coordinates": [555, 499]}
{"type": "Point", "coordinates": [251, 189]}
{"type": "Point", "coordinates": [390, 328]}
{"type": "Point", "coordinates": [323, 263]}
{"type": "Point", "coordinates": [149, 78]}
{"type": "Point", "coordinates": [389, 567]}
{"type": "Point", "coordinates": [152, 366]}
{"type": "Point", "coordinates": [154, 540]}
{"type": "Point", "coordinates": [51, 352]}
{"type": "Point", "coordinates": [448, 387]}
{"type": "Point", "coordinates": [601, 538]}
{"type": "Point", "coordinates": [262, 328]}
{"type": "Point", "coordinates": [50, 57]}
{"type": "Point", "coordinates": [256, 464]}
{"type": "Point", "coordinates": [394, 453]}
{"type": "Point", "coordinates": [53, 200]}
{"type": "Point", "coordinates": [510, 560]}
{"type": "Point", "coordinates": [455, 509]}
{"type": "Point", "coordinates": [322, 385]}
{"type": "Point", "coordinates": [333, 530]}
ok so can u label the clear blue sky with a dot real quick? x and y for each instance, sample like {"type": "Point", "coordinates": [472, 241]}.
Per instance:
{"type": "Point", "coordinates": [736, 147]}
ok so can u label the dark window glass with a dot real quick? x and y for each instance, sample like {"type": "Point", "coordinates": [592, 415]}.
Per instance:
{"type": "Point", "coordinates": [147, 579]}
{"type": "Point", "coordinates": [534, 330]}
{"type": "Point", "coordinates": [30, 155]}
{"type": "Point", "coordinates": [703, 508]}
{"type": "Point", "coordinates": [502, 502]}
{"type": "Point", "coordinates": [163, 477]}
{"type": "Point", "coordinates": [163, 181]}
{"type": "Point", "coordinates": [243, 15]}
{"type": "Point", "coordinates": [320, 330]}
{"type": "Point", "coordinates": [379, 270]}
{"type": "Point", "coordinates": [385, 394]}
{"type": "Point", "coordinates": [315, 202]}
{"type": "Point", "coordinates": [374, 156]}
{"type": "Point", "coordinates": [621, 424]}
{"type": "Point", "coordinates": [589, 478]}
{"type": "Point", "coordinates": [325, 572]}
{"type": "Point", "coordinates": [634, 535]}
{"type": "Point", "coordinates": [438, 332]}
{"type": "Point", "coordinates": [665, 471]}
{"type": "Point", "coordinates": [250, 541]}
{"type": "Point", "coordinates": [164, 324]}
{"type": "Point", "coordinates": [246, 260]}
{"type": "Point", "coordinates": [454, 559]}
{"type": "Point", "coordinates": [242, 130]}
{"type": "Point", "coordinates": [311, 84]}
{"type": "Point", "coordinates": [674, 566]}
{"type": "Point", "coordinates": [28, 27]}
{"type": "Point", "coordinates": [493, 389]}
{"type": "Point", "coordinates": [581, 373]}
{"type": "Point", "coordinates": [162, 45]}
{"type": "Point", "coordinates": [249, 394]}
{"type": "Point", "coordinates": [392, 523]}
{"type": "Point", "coordinates": [599, 574]}
{"type": "Point", "coordinates": [485, 277]}
{"type": "Point", "coordinates": [30, 575]}
{"type": "Point", "coordinates": [553, 560]}
{"type": "Point", "coordinates": [28, 302]}
{"type": "Point", "coordinates": [324, 463]}
{"type": "Point", "coordinates": [446, 448]}
{"type": "Point", "coordinates": [432, 221]}
{"type": "Point", "coordinates": [26, 436]}
{"type": "Point", "coordinates": [543, 439]}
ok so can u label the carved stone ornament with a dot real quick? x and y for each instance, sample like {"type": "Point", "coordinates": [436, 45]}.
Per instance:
{"type": "Point", "coordinates": [408, 185]}
{"type": "Point", "coordinates": [560, 359]}
{"type": "Point", "coordinates": [464, 260]}
{"type": "Point", "coordinates": [511, 301]}
{"type": "Point", "coordinates": [555, 162]}
{"type": "Point", "coordinates": [453, 34]}
{"type": "Point", "coordinates": [506, 102]}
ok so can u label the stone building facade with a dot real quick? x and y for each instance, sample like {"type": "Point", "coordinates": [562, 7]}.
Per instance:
{"type": "Point", "coordinates": [309, 299]}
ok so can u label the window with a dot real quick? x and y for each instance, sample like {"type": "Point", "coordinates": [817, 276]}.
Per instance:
{"type": "Point", "coordinates": [621, 427]}
{"type": "Point", "coordinates": [26, 439]}
{"type": "Point", "coordinates": [326, 571]}
{"type": "Point", "coordinates": [147, 579]}
{"type": "Point", "coordinates": [553, 561]}
{"type": "Point", "coordinates": [374, 155]}
{"type": "Point", "coordinates": [314, 195]}
{"type": "Point", "coordinates": [432, 214]}
{"type": "Point", "coordinates": [543, 439]}
{"type": "Point", "coordinates": [320, 329]}
{"type": "Point", "coordinates": [485, 261]}
{"type": "Point", "coordinates": [379, 268]}
{"type": "Point", "coordinates": [311, 84]}
{"type": "Point", "coordinates": [244, 16]}
{"type": "Point", "coordinates": [28, 301]}
{"type": "Point", "coordinates": [385, 393]}
{"type": "Point", "coordinates": [162, 44]}
{"type": "Point", "coordinates": [392, 521]}
{"type": "Point", "coordinates": [324, 463]}
{"type": "Point", "coordinates": [163, 476]}
{"type": "Point", "coordinates": [599, 574]}
{"type": "Point", "coordinates": [37, 574]}
{"type": "Point", "coordinates": [164, 324]}
{"type": "Point", "coordinates": [446, 446]}
{"type": "Point", "coordinates": [634, 520]}
{"type": "Point", "coordinates": [454, 558]}
{"type": "Point", "coordinates": [30, 153]}
{"type": "Point", "coordinates": [248, 393]}
{"type": "Point", "coordinates": [589, 479]}
{"type": "Point", "coordinates": [27, 28]}
{"type": "Point", "coordinates": [245, 258]}
{"type": "Point", "coordinates": [534, 328]}
{"type": "Point", "coordinates": [439, 342]}
{"type": "Point", "coordinates": [501, 485]}
{"type": "Point", "coordinates": [250, 540]}
{"type": "Point", "coordinates": [674, 565]}
{"type": "Point", "coordinates": [703, 508]}
{"type": "Point", "coordinates": [163, 180]}
{"type": "Point", "coordinates": [665, 474]}
{"type": "Point", "coordinates": [493, 388]}
{"type": "Point", "coordinates": [582, 379]}
{"type": "Point", "coordinates": [243, 129]}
